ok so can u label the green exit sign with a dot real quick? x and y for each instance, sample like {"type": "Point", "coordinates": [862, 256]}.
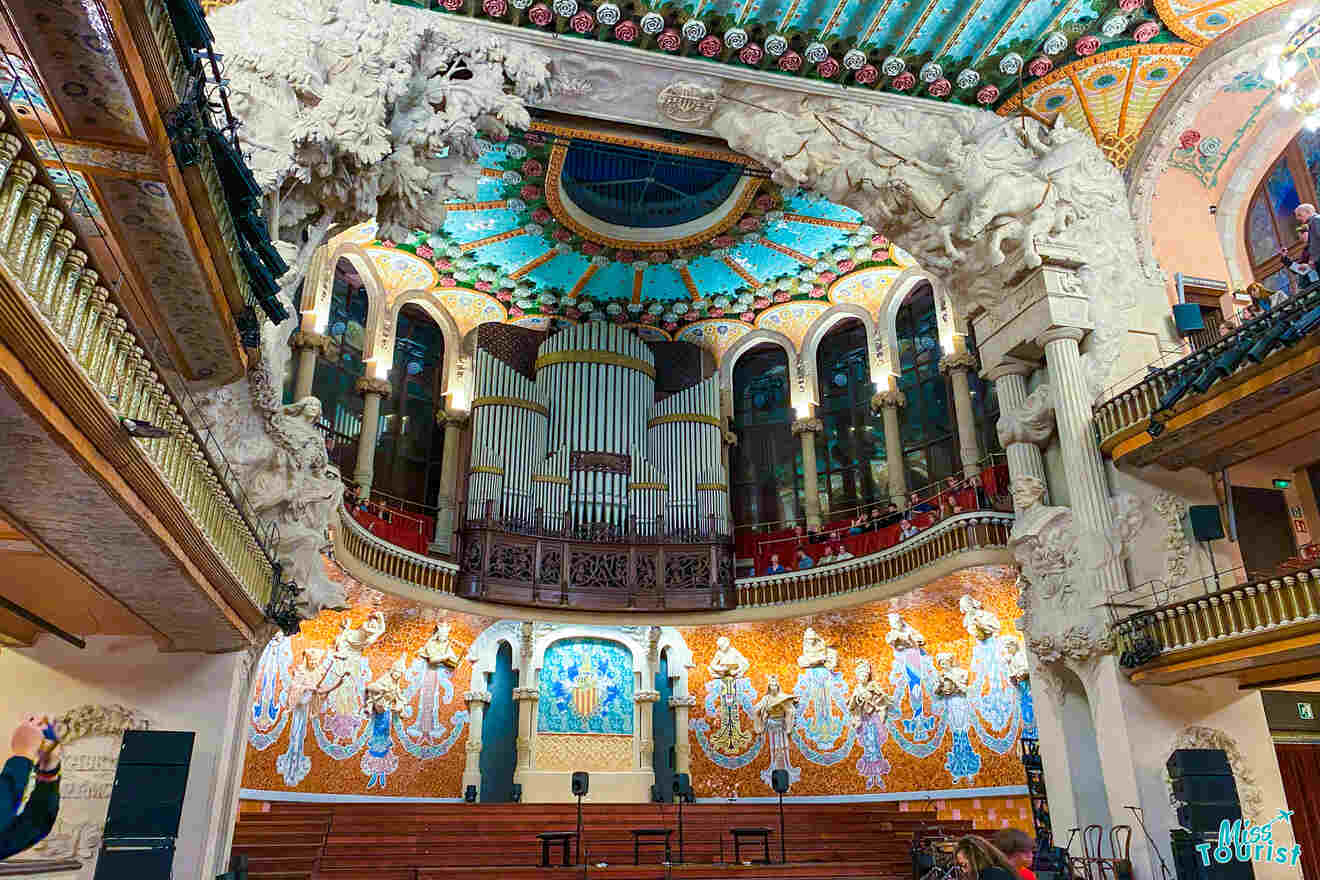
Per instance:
{"type": "Point", "coordinates": [1282, 484]}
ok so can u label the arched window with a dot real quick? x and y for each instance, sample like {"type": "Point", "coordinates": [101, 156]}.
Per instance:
{"type": "Point", "coordinates": [407, 461]}
{"type": "Point", "coordinates": [850, 451]}
{"type": "Point", "coordinates": [766, 483]}
{"type": "Point", "coordinates": [930, 441]}
{"type": "Point", "coordinates": [1270, 225]}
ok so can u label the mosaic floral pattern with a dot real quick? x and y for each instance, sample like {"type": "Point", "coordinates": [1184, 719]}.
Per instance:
{"type": "Point", "coordinates": [1204, 156]}
{"type": "Point", "coordinates": [22, 90]}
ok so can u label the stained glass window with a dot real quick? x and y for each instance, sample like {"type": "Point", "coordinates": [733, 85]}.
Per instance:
{"type": "Point", "coordinates": [766, 480]}
{"type": "Point", "coordinates": [1269, 222]}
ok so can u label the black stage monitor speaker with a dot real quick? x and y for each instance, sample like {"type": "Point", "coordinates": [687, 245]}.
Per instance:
{"type": "Point", "coordinates": [683, 786]}
{"type": "Point", "coordinates": [517, 793]}
{"type": "Point", "coordinates": [580, 783]}
{"type": "Point", "coordinates": [1205, 522]}
{"type": "Point", "coordinates": [150, 782]}
{"type": "Point", "coordinates": [779, 781]}
{"type": "Point", "coordinates": [139, 861]}
{"type": "Point", "coordinates": [1198, 762]}
{"type": "Point", "coordinates": [656, 796]}
{"type": "Point", "coordinates": [470, 794]}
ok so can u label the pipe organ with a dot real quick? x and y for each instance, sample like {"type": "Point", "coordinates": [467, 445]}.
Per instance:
{"type": "Point", "coordinates": [585, 443]}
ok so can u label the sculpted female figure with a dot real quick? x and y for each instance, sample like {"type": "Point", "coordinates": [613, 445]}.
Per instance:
{"type": "Point", "coordinates": [773, 716]}
{"type": "Point", "coordinates": [351, 671]}
{"type": "Point", "coordinates": [869, 706]}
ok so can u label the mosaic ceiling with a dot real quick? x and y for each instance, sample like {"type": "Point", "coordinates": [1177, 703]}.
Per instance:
{"type": "Point", "coordinates": [1104, 64]}
{"type": "Point", "coordinates": [524, 251]}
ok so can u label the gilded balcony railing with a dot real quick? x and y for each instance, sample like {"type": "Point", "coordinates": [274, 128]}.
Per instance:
{"type": "Point", "coordinates": [1252, 609]}
{"type": "Point", "coordinates": [962, 533]}
{"type": "Point", "coordinates": [69, 329]}
{"type": "Point", "coordinates": [391, 560]}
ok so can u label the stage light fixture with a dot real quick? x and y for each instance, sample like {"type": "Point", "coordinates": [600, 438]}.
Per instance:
{"type": "Point", "coordinates": [143, 430]}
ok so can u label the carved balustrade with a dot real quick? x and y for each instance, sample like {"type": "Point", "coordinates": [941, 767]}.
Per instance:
{"type": "Point", "coordinates": [379, 555]}
{"type": "Point", "coordinates": [624, 572]}
{"type": "Point", "coordinates": [67, 329]}
{"type": "Point", "coordinates": [959, 534]}
{"type": "Point", "coordinates": [1243, 612]}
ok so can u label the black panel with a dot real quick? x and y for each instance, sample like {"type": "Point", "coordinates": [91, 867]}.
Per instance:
{"type": "Point", "coordinates": [138, 863]}
{"type": "Point", "coordinates": [156, 747]}
{"type": "Point", "coordinates": [1205, 522]}
{"type": "Point", "coordinates": [146, 801]}
{"type": "Point", "coordinates": [1202, 762]}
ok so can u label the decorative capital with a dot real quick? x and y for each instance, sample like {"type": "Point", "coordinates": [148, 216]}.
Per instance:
{"type": "Point", "coordinates": [444, 418]}
{"type": "Point", "coordinates": [307, 339]}
{"type": "Point", "coordinates": [477, 697]}
{"type": "Point", "coordinates": [807, 426]}
{"type": "Point", "coordinates": [526, 694]}
{"type": "Point", "coordinates": [959, 360]}
{"type": "Point", "coordinates": [682, 702]}
{"type": "Point", "coordinates": [646, 696]}
{"type": "Point", "coordinates": [367, 385]}
{"type": "Point", "coordinates": [1056, 333]}
{"type": "Point", "coordinates": [882, 399]}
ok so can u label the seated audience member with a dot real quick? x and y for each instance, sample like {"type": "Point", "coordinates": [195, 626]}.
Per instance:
{"type": "Point", "coordinates": [841, 554]}
{"type": "Point", "coordinates": [979, 860]}
{"type": "Point", "coordinates": [876, 519]}
{"type": "Point", "coordinates": [858, 524]}
{"type": "Point", "coordinates": [892, 515]}
{"type": "Point", "coordinates": [827, 557]}
{"type": "Point", "coordinates": [906, 529]}
{"type": "Point", "coordinates": [950, 497]}
{"type": "Point", "coordinates": [22, 825]}
{"type": "Point", "coordinates": [982, 500]}
{"type": "Point", "coordinates": [1018, 847]}
{"type": "Point", "coordinates": [803, 560]}
{"type": "Point", "coordinates": [775, 567]}
{"type": "Point", "coordinates": [916, 505]}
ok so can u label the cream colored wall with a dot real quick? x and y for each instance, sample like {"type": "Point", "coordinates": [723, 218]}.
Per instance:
{"type": "Point", "coordinates": [1157, 715]}
{"type": "Point", "coordinates": [184, 691]}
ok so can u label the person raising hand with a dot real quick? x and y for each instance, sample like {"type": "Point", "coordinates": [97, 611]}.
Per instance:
{"type": "Point", "coordinates": [35, 755]}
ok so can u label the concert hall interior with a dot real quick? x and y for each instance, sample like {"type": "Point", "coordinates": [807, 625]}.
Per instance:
{"type": "Point", "coordinates": [458, 439]}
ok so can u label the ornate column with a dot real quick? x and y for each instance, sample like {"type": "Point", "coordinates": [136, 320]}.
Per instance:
{"type": "Point", "coordinates": [1022, 427]}
{"type": "Point", "coordinates": [807, 429]}
{"type": "Point", "coordinates": [889, 403]}
{"type": "Point", "coordinates": [373, 391]}
{"type": "Point", "coordinates": [308, 345]}
{"type": "Point", "coordinates": [1088, 489]}
{"type": "Point", "coordinates": [644, 700]}
{"type": "Point", "coordinates": [476, 703]}
{"type": "Point", "coordinates": [526, 698]}
{"type": "Point", "coordinates": [958, 365]}
{"type": "Point", "coordinates": [682, 745]}
{"type": "Point", "coordinates": [453, 425]}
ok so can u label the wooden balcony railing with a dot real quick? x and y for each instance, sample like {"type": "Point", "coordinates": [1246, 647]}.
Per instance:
{"type": "Point", "coordinates": [389, 559]}
{"type": "Point", "coordinates": [1247, 611]}
{"type": "Point", "coordinates": [962, 533]}
{"type": "Point", "coordinates": [65, 327]}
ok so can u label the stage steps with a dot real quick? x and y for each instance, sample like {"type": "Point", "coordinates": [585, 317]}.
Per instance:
{"type": "Point", "coordinates": [289, 841]}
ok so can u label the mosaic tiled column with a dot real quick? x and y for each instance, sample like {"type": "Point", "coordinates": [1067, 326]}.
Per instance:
{"type": "Point", "coordinates": [526, 698]}
{"type": "Point", "coordinates": [1087, 487]}
{"type": "Point", "coordinates": [447, 500]}
{"type": "Point", "coordinates": [682, 745]}
{"type": "Point", "coordinates": [373, 391]}
{"type": "Point", "coordinates": [308, 345]}
{"type": "Point", "coordinates": [806, 429]}
{"type": "Point", "coordinates": [476, 703]}
{"type": "Point", "coordinates": [959, 366]}
{"type": "Point", "coordinates": [644, 700]}
{"type": "Point", "coordinates": [889, 403]}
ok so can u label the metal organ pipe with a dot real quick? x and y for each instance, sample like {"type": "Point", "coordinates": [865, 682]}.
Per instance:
{"type": "Point", "coordinates": [684, 437]}
{"type": "Point", "coordinates": [509, 417]}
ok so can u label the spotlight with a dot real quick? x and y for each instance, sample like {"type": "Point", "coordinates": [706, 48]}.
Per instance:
{"type": "Point", "coordinates": [144, 430]}
{"type": "Point", "coordinates": [470, 794]}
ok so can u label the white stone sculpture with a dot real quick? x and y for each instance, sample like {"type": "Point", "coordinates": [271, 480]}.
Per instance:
{"type": "Point", "coordinates": [979, 623]}
{"type": "Point", "coordinates": [728, 661]}
{"type": "Point", "coordinates": [953, 679]}
{"type": "Point", "coordinates": [1015, 659]}
{"type": "Point", "coordinates": [816, 653]}
{"type": "Point", "coordinates": [1060, 563]}
{"type": "Point", "coordinates": [972, 197]}
{"type": "Point", "coordinates": [439, 650]}
{"type": "Point", "coordinates": [1032, 422]}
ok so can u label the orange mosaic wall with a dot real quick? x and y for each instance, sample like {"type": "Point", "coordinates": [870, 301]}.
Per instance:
{"type": "Point", "coordinates": [429, 762]}
{"type": "Point", "coordinates": [773, 648]}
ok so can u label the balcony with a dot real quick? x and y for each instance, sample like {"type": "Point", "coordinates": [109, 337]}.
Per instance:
{"type": "Point", "coordinates": [960, 541]}
{"type": "Point", "coordinates": [1242, 395]}
{"type": "Point", "coordinates": [157, 519]}
{"type": "Point", "coordinates": [1263, 630]}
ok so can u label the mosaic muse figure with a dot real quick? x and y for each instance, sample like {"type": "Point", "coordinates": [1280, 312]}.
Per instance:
{"type": "Point", "coordinates": [385, 698]}
{"type": "Point", "coordinates": [817, 685]}
{"type": "Point", "coordinates": [1015, 664]}
{"type": "Point", "coordinates": [726, 667]}
{"type": "Point", "coordinates": [869, 706]}
{"type": "Point", "coordinates": [951, 689]}
{"type": "Point", "coordinates": [773, 716]}
{"type": "Point", "coordinates": [307, 686]}
{"type": "Point", "coordinates": [272, 672]}
{"type": "Point", "coordinates": [438, 658]}
{"type": "Point", "coordinates": [351, 671]}
{"type": "Point", "coordinates": [907, 673]}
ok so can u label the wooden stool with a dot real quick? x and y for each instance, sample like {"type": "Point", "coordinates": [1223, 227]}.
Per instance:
{"type": "Point", "coordinates": [640, 833]}
{"type": "Point", "coordinates": [549, 837]}
{"type": "Point", "coordinates": [740, 833]}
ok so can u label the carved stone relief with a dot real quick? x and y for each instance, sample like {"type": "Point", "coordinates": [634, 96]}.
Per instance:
{"type": "Point", "coordinates": [687, 102]}
{"type": "Point", "coordinates": [1032, 422]}
{"type": "Point", "coordinates": [1172, 510]}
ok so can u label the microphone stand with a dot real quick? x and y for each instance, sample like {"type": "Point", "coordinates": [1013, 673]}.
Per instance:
{"type": "Point", "coordinates": [579, 833]}
{"type": "Point", "coordinates": [681, 798]}
{"type": "Point", "coordinates": [1137, 812]}
{"type": "Point", "coordinates": [783, 859]}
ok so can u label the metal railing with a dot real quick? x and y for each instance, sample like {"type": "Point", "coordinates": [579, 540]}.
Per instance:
{"type": "Point", "coordinates": [961, 533]}
{"type": "Point", "coordinates": [1166, 386]}
{"type": "Point", "coordinates": [64, 301]}
{"type": "Point", "coordinates": [1196, 616]}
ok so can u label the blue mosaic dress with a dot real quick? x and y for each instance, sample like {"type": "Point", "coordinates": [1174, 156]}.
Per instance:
{"type": "Point", "coordinates": [963, 762]}
{"type": "Point", "coordinates": [380, 761]}
{"type": "Point", "coordinates": [1028, 708]}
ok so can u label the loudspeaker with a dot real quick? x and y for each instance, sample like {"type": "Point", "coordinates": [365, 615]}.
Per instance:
{"type": "Point", "coordinates": [1204, 519]}
{"type": "Point", "coordinates": [1187, 317]}
{"type": "Point", "coordinates": [779, 781]}
{"type": "Point", "coordinates": [1188, 865]}
{"type": "Point", "coordinates": [1198, 762]}
{"type": "Point", "coordinates": [150, 782]}
{"type": "Point", "coordinates": [141, 862]}
{"type": "Point", "coordinates": [656, 796]}
{"type": "Point", "coordinates": [683, 786]}
{"type": "Point", "coordinates": [517, 793]}
{"type": "Point", "coordinates": [1206, 815]}
{"type": "Point", "coordinates": [470, 794]}
{"type": "Point", "coordinates": [580, 783]}
{"type": "Point", "coordinates": [1204, 789]}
